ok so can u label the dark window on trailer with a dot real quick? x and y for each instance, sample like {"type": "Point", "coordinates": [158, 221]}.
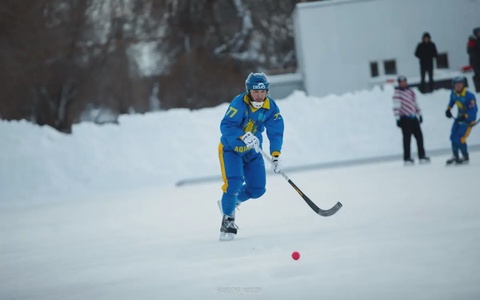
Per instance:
{"type": "Point", "coordinates": [373, 69]}
{"type": "Point", "coordinates": [442, 61]}
{"type": "Point", "coordinates": [390, 67]}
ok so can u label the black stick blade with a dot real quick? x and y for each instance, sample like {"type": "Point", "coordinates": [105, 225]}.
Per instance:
{"type": "Point", "coordinates": [313, 206]}
{"type": "Point", "coordinates": [329, 212]}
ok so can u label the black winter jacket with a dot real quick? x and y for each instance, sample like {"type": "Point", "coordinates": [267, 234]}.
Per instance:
{"type": "Point", "coordinates": [425, 52]}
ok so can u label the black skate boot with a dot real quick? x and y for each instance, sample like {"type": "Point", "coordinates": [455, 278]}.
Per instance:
{"type": "Point", "coordinates": [408, 162]}
{"type": "Point", "coordinates": [228, 229]}
{"type": "Point", "coordinates": [454, 161]}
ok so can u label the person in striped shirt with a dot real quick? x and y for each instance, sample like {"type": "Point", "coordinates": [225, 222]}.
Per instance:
{"type": "Point", "coordinates": [409, 117]}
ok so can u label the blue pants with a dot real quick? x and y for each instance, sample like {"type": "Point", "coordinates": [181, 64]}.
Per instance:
{"type": "Point", "coordinates": [244, 177]}
{"type": "Point", "coordinates": [458, 136]}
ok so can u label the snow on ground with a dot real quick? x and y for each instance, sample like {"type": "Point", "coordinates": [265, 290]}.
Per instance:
{"type": "Point", "coordinates": [96, 214]}
{"type": "Point", "coordinates": [161, 148]}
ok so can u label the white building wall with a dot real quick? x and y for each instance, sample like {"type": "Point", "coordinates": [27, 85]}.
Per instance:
{"type": "Point", "coordinates": [336, 40]}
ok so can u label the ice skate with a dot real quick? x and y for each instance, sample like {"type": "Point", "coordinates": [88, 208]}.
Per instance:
{"type": "Point", "coordinates": [424, 160]}
{"type": "Point", "coordinates": [228, 230]}
{"type": "Point", "coordinates": [408, 162]}
{"type": "Point", "coordinates": [455, 161]}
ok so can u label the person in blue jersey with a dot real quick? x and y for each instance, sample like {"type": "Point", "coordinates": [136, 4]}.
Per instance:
{"type": "Point", "coordinates": [243, 168]}
{"type": "Point", "coordinates": [409, 117]}
{"type": "Point", "coordinates": [462, 125]}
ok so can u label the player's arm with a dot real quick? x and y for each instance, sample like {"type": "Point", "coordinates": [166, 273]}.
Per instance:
{"type": "Point", "coordinates": [231, 124]}
{"type": "Point", "coordinates": [275, 127]}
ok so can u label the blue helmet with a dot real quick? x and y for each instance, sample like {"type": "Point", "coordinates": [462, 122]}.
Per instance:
{"type": "Point", "coordinates": [257, 81]}
{"type": "Point", "coordinates": [459, 79]}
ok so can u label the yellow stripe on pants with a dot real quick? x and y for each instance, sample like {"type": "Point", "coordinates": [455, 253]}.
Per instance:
{"type": "Point", "coordinates": [222, 167]}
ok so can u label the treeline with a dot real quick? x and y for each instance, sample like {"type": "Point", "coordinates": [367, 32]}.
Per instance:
{"type": "Point", "coordinates": [64, 62]}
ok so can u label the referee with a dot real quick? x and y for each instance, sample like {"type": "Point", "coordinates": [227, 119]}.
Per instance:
{"type": "Point", "coordinates": [409, 117]}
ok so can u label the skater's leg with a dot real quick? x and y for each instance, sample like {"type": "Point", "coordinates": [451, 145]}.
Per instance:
{"type": "Point", "coordinates": [255, 177]}
{"type": "Point", "coordinates": [407, 136]}
{"type": "Point", "coordinates": [232, 173]}
{"type": "Point", "coordinates": [417, 133]}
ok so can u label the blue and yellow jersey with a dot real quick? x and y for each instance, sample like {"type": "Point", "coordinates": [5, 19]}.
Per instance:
{"type": "Point", "coordinates": [466, 104]}
{"type": "Point", "coordinates": [242, 117]}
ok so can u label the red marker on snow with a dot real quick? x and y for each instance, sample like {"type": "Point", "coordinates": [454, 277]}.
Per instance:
{"type": "Point", "coordinates": [295, 255]}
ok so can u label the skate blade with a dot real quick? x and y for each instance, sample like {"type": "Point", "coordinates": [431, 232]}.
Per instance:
{"type": "Point", "coordinates": [462, 163]}
{"type": "Point", "coordinates": [226, 236]}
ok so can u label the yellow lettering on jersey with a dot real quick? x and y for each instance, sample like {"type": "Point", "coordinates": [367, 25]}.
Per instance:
{"type": "Point", "coordinates": [232, 111]}
{"type": "Point", "coordinates": [241, 149]}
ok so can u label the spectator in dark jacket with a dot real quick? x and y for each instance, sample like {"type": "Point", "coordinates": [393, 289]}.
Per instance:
{"type": "Point", "coordinates": [426, 51]}
{"type": "Point", "coordinates": [473, 50]}
{"type": "Point", "coordinates": [471, 44]}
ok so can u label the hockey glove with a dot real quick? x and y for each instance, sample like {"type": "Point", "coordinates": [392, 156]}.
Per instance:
{"type": "Point", "coordinates": [251, 141]}
{"type": "Point", "coordinates": [448, 113]}
{"type": "Point", "coordinates": [276, 165]}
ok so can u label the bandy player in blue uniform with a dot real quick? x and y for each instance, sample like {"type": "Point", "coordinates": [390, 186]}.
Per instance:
{"type": "Point", "coordinates": [242, 164]}
{"type": "Point", "coordinates": [467, 114]}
